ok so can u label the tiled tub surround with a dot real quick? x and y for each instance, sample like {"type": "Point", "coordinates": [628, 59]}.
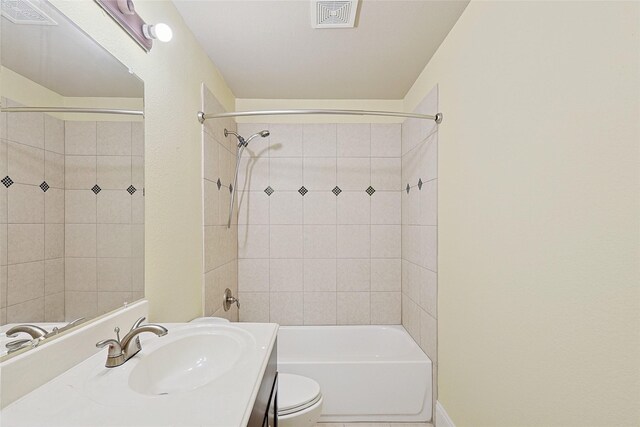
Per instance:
{"type": "Point", "coordinates": [220, 242]}
{"type": "Point", "coordinates": [70, 251]}
{"type": "Point", "coordinates": [104, 216]}
{"type": "Point", "coordinates": [420, 229]}
{"type": "Point", "coordinates": [320, 225]}
{"type": "Point", "coordinates": [31, 217]}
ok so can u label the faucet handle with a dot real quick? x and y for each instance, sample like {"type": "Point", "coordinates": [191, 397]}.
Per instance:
{"type": "Point", "coordinates": [115, 356]}
{"type": "Point", "coordinates": [228, 300]}
{"type": "Point", "coordinates": [137, 323]}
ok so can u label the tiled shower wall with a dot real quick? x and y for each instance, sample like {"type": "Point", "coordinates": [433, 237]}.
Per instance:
{"type": "Point", "coordinates": [220, 242]}
{"type": "Point", "coordinates": [103, 215]}
{"type": "Point", "coordinates": [420, 229]}
{"type": "Point", "coordinates": [32, 219]}
{"type": "Point", "coordinates": [319, 224]}
{"type": "Point", "coordinates": [73, 249]}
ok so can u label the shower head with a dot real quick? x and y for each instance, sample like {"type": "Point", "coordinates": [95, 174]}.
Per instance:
{"type": "Point", "coordinates": [262, 134]}
{"type": "Point", "coordinates": [242, 141]}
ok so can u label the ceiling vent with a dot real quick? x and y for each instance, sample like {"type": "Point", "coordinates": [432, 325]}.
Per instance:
{"type": "Point", "coordinates": [333, 14]}
{"type": "Point", "coordinates": [25, 12]}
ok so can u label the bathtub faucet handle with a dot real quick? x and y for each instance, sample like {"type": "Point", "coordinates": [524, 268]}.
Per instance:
{"type": "Point", "coordinates": [228, 300]}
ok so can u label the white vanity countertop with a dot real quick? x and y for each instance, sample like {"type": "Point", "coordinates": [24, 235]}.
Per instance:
{"type": "Point", "coordinates": [80, 398]}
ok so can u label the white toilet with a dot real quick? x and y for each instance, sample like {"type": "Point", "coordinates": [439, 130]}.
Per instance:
{"type": "Point", "coordinates": [299, 401]}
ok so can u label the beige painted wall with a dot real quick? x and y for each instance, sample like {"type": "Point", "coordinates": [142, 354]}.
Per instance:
{"type": "Point", "coordinates": [173, 73]}
{"type": "Point", "coordinates": [539, 216]}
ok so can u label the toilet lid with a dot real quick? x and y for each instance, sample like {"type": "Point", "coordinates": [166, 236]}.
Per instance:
{"type": "Point", "coordinates": [296, 392]}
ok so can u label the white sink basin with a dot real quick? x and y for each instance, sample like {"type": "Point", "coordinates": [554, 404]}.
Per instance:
{"type": "Point", "coordinates": [187, 362]}
{"type": "Point", "coordinates": [187, 359]}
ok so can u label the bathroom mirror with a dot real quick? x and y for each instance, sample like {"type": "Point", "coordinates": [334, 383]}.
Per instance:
{"type": "Point", "coordinates": [72, 172]}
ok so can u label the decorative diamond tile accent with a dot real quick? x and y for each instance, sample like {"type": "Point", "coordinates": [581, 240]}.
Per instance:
{"type": "Point", "coordinates": [268, 190]}
{"type": "Point", "coordinates": [44, 186]}
{"type": "Point", "coordinates": [7, 181]}
{"type": "Point", "coordinates": [303, 190]}
{"type": "Point", "coordinates": [96, 189]}
{"type": "Point", "coordinates": [230, 188]}
{"type": "Point", "coordinates": [219, 184]}
{"type": "Point", "coordinates": [408, 188]}
{"type": "Point", "coordinates": [131, 189]}
{"type": "Point", "coordinates": [371, 190]}
{"type": "Point", "coordinates": [336, 190]}
{"type": "Point", "coordinates": [420, 184]}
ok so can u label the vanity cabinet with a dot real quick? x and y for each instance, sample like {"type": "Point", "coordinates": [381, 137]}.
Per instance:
{"type": "Point", "coordinates": [265, 408]}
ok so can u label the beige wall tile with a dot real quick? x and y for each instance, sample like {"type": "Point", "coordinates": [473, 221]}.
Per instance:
{"type": "Point", "coordinates": [114, 207]}
{"type": "Point", "coordinates": [25, 282]}
{"type": "Point", "coordinates": [80, 240]}
{"type": "Point", "coordinates": [3, 285]}
{"type": "Point", "coordinates": [253, 241]}
{"type": "Point", "coordinates": [319, 140]}
{"type": "Point", "coordinates": [386, 308]}
{"type": "Point", "coordinates": [286, 275]}
{"type": "Point", "coordinates": [319, 241]}
{"type": "Point", "coordinates": [137, 274]}
{"type": "Point", "coordinates": [320, 174]}
{"type": "Point", "coordinates": [354, 241]}
{"type": "Point", "coordinates": [114, 274]}
{"type": "Point", "coordinates": [286, 308]}
{"type": "Point", "coordinates": [354, 308]}
{"type": "Point", "coordinates": [320, 208]}
{"type": "Point", "coordinates": [108, 301]}
{"type": "Point", "coordinates": [320, 308]}
{"type": "Point", "coordinates": [386, 174]}
{"type": "Point", "coordinates": [386, 274]}
{"type": "Point", "coordinates": [385, 140]}
{"type": "Point", "coordinates": [320, 275]}
{"type": "Point", "coordinates": [386, 241]}
{"type": "Point", "coordinates": [353, 275]}
{"type": "Point", "coordinates": [137, 208]}
{"type": "Point", "coordinates": [354, 140]}
{"type": "Point", "coordinates": [137, 138]}
{"type": "Point", "coordinates": [25, 243]}
{"type": "Point", "coordinates": [114, 138]}
{"type": "Point", "coordinates": [285, 241]}
{"type": "Point", "coordinates": [80, 304]}
{"type": "Point", "coordinates": [80, 137]}
{"type": "Point", "coordinates": [137, 172]}
{"type": "Point", "coordinates": [54, 169]}
{"type": "Point", "coordinates": [354, 207]}
{"type": "Point", "coordinates": [53, 276]}
{"type": "Point", "coordinates": [54, 206]}
{"type": "Point", "coordinates": [25, 164]}
{"type": "Point", "coordinates": [114, 172]}
{"type": "Point", "coordinates": [254, 306]}
{"type": "Point", "coordinates": [253, 275]}
{"type": "Point", "coordinates": [25, 204]}
{"type": "Point", "coordinates": [26, 128]}
{"type": "Point", "coordinates": [114, 240]}
{"type": "Point", "coordinates": [80, 207]}
{"type": "Point", "coordinates": [3, 244]}
{"type": "Point", "coordinates": [386, 207]}
{"type": "Point", "coordinates": [54, 307]}
{"type": "Point", "coordinates": [80, 274]}
{"type": "Point", "coordinates": [80, 172]}
{"type": "Point", "coordinates": [285, 139]}
{"type": "Point", "coordinates": [53, 134]}
{"type": "Point", "coordinates": [27, 312]}
{"type": "Point", "coordinates": [428, 335]}
{"type": "Point", "coordinates": [354, 173]}
{"type": "Point", "coordinates": [53, 241]}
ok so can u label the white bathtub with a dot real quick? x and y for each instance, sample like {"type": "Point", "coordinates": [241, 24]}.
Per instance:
{"type": "Point", "coordinates": [366, 373]}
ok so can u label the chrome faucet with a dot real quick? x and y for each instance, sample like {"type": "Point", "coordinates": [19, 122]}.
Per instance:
{"type": "Point", "coordinates": [37, 334]}
{"type": "Point", "coordinates": [122, 350]}
{"type": "Point", "coordinates": [33, 330]}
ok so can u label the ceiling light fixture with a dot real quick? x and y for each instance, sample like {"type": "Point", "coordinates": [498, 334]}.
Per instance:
{"type": "Point", "coordinates": [158, 31]}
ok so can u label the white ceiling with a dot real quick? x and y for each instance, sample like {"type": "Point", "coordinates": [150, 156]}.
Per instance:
{"type": "Point", "coordinates": [268, 49]}
{"type": "Point", "coordinates": [64, 59]}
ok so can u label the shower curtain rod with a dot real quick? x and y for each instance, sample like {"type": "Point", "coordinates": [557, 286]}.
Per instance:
{"type": "Point", "coordinates": [71, 110]}
{"type": "Point", "coordinates": [203, 116]}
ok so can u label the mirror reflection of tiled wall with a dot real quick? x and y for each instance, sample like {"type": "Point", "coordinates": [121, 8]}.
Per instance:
{"type": "Point", "coordinates": [71, 217]}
